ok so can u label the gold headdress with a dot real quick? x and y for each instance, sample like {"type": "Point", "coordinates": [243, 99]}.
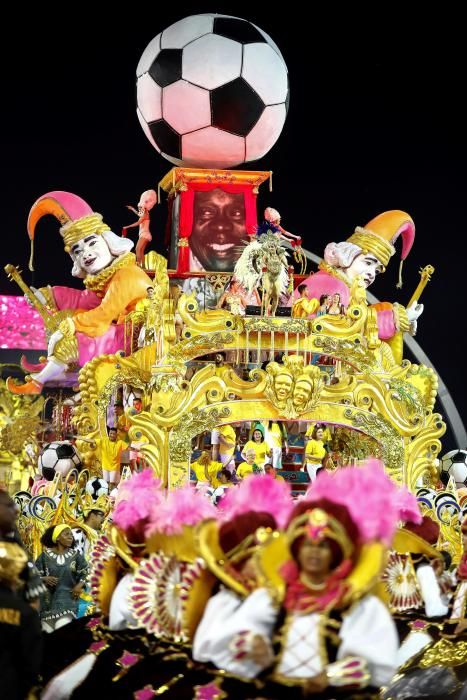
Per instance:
{"type": "Point", "coordinates": [248, 531]}
{"type": "Point", "coordinates": [318, 525]}
{"type": "Point", "coordinates": [101, 504]}
{"type": "Point", "coordinates": [368, 558]}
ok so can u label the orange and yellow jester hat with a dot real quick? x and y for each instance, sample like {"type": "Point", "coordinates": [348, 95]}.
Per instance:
{"type": "Point", "coordinates": [77, 218]}
{"type": "Point", "coordinates": [380, 234]}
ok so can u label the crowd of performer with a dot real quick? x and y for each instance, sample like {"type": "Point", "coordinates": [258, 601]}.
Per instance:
{"type": "Point", "coordinates": [409, 594]}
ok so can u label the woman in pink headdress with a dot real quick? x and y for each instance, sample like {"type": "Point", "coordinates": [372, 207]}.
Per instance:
{"type": "Point", "coordinates": [334, 636]}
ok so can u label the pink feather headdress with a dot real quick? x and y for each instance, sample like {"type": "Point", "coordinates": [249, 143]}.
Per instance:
{"type": "Point", "coordinates": [262, 494]}
{"type": "Point", "coordinates": [375, 503]}
{"type": "Point", "coordinates": [182, 507]}
{"type": "Point", "coordinates": [138, 497]}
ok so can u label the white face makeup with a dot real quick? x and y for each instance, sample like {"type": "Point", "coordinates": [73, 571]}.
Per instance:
{"type": "Point", "coordinates": [92, 254]}
{"type": "Point", "coordinates": [367, 266]}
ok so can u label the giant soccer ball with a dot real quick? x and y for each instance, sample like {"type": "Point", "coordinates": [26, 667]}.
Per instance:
{"type": "Point", "coordinates": [212, 92]}
{"type": "Point", "coordinates": [454, 463]}
{"type": "Point", "coordinates": [58, 457]}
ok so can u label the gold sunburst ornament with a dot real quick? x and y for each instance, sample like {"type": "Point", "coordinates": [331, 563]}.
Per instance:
{"type": "Point", "coordinates": [401, 583]}
{"type": "Point", "coordinates": [160, 592]}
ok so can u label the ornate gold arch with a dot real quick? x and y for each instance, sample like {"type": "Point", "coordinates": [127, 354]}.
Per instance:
{"type": "Point", "coordinates": [391, 403]}
{"type": "Point", "coordinates": [394, 409]}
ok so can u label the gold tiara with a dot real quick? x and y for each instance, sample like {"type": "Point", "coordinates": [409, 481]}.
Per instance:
{"type": "Point", "coordinates": [318, 525]}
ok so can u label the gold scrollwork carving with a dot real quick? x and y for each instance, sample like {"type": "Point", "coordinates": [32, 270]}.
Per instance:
{"type": "Point", "coordinates": [385, 434]}
{"type": "Point", "coordinates": [193, 347]}
{"type": "Point", "coordinates": [277, 325]}
{"type": "Point", "coordinates": [204, 322]}
{"type": "Point", "coordinates": [353, 352]}
{"type": "Point", "coordinates": [218, 280]}
{"type": "Point", "coordinates": [421, 452]}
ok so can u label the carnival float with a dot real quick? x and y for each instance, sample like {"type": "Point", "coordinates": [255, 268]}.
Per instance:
{"type": "Point", "coordinates": [193, 402]}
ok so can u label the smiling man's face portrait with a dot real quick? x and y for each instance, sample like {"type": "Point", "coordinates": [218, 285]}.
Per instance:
{"type": "Point", "coordinates": [218, 233]}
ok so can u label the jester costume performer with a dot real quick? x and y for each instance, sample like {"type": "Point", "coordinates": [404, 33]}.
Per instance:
{"type": "Point", "coordinates": [367, 253]}
{"type": "Point", "coordinates": [90, 322]}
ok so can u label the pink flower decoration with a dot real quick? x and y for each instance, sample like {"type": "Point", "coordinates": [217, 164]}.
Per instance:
{"type": "Point", "coordinates": [21, 327]}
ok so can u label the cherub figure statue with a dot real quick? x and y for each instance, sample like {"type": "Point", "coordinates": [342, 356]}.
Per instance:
{"type": "Point", "coordinates": [272, 219]}
{"type": "Point", "coordinates": [146, 202]}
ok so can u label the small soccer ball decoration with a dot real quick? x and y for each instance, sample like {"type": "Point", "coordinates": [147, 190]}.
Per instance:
{"type": "Point", "coordinates": [58, 457]}
{"type": "Point", "coordinates": [96, 488]}
{"type": "Point", "coordinates": [454, 463]}
{"type": "Point", "coordinates": [212, 92]}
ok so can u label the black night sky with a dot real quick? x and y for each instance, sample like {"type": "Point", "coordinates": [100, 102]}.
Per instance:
{"type": "Point", "coordinates": [375, 122]}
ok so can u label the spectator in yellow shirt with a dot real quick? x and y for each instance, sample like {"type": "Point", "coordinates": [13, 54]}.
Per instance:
{"type": "Point", "coordinates": [110, 450]}
{"type": "Point", "coordinates": [123, 422]}
{"type": "Point", "coordinates": [225, 479]}
{"type": "Point", "coordinates": [136, 458]}
{"type": "Point", "coordinates": [249, 466]}
{"type": "Point", "coordinates": [221, 364]}
{"type": "Point", "coordinates": [206, 470]}
{"type": "Point", "coordinates": [314, 453]}
{"type": "Point", "coordinates": [276, 434]}
{"type": "Point", "coordinates": [327, 435]}
{"type": "Point", "coordinates": [271, 471]}
{"type": "Point", "coordinates": [259, 445]}
{"type": "Point", "coordinates": [223, 440]}
{"type": "Point", "coordinates": [303, 307]}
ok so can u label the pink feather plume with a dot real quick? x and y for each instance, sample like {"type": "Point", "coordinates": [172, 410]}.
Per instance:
{"type": "Point", "coordinates": [137, 498]}
{"type": "Point", "coordinates": [262, 494]}
{"type": "Point", "coordinates": [375, 502]}
{"type": "Point", "coordinates": [182, 507]}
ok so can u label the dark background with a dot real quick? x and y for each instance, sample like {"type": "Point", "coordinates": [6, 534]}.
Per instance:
{"type": "Point", "coordinates": [375, 122]}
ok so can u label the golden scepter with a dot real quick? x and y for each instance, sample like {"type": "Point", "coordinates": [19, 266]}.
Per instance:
{"type": "Point", "coordinates": [425, 273]}
{"type": "Point", "coordinates": [51, 318]}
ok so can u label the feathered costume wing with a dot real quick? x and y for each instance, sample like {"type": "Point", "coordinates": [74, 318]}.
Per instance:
{"type": "Point", "coordinates": [249, 268]}
{"type": "Point", "coordinates": [246, 268]}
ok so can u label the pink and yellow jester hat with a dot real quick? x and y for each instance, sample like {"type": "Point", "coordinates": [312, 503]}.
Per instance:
{"type": "Point", "coordinates": [76, 217]}
{"type": "Point", "coordinates": [380, 234]}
